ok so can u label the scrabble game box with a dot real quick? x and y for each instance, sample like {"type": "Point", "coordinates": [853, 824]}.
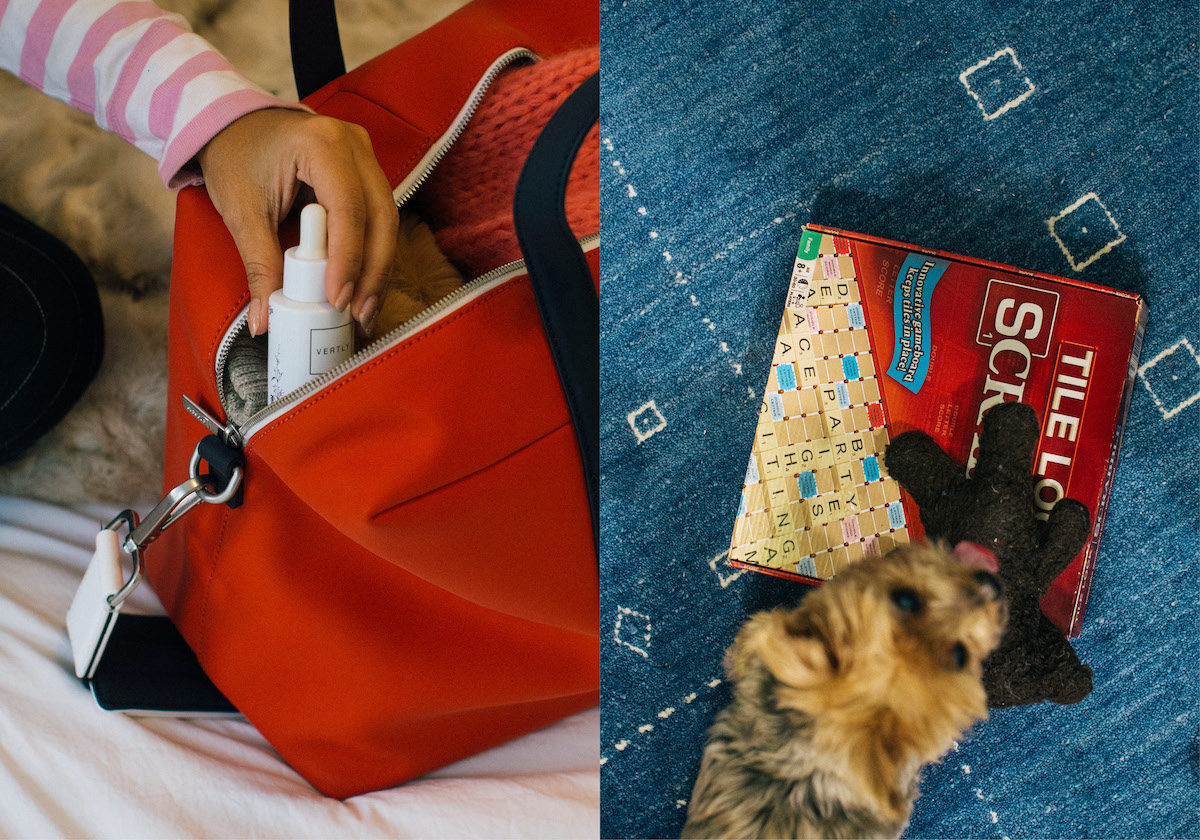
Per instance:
{"type": "Point", "coordinates": [879, 337]}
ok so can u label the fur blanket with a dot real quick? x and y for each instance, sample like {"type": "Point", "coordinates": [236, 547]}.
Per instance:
{"type": "Point", "coordinates": [104, 199]}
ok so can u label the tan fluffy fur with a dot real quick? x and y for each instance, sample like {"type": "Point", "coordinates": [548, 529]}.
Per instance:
{"type": "Point", "coordinates": [421, 275]}
{"type": "Point", "coordinates": [839, 702]}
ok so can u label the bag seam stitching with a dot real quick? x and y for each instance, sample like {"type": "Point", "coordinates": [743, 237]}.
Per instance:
{"type": "Point", "coordinates": [427, 139]}
{"type": "Point", "coordinates": [473, 473]}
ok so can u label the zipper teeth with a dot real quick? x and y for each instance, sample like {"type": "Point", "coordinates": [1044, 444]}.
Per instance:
{"type": "Point", "coordinates": [426, 315]}
{"type": "Point", "coordinates": [431, 313]}
{"type": "Point", "coordinates": [377, 346]}
{"type": "Point", "coordinates": [231, 334]}
{"type": "Point", "coordinates": [465, 115]}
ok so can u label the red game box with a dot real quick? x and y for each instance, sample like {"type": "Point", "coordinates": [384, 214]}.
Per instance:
{"type": "Point", "coordinates": [879, 337]}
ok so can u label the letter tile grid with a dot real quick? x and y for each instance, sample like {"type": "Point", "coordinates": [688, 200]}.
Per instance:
{"type": "Point", "coordinates": [817, 496]}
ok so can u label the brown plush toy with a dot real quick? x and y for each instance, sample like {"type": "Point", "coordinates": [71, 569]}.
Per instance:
{"type": "Point", "coordinates": [995, 508]}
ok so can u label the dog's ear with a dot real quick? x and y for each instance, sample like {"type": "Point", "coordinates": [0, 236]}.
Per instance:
{"type": "Point", "coordinates": [792, 646]}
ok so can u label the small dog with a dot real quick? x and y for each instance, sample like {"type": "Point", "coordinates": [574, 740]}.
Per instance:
{"type": "Point", "coordinates": [840, 702]}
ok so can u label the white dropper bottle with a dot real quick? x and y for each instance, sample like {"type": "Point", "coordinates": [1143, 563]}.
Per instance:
{"type": "Point", "coordinates": [307, 336]}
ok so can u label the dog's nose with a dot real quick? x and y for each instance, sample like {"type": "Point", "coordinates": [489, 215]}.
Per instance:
{"type": "Point", "coordinates": [979, 556]}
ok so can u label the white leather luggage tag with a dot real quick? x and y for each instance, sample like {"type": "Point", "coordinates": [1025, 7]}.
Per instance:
{"type": "Point", "coordinates": [92, 614]}
{"type": "Point", "coordinates": [149, 668]}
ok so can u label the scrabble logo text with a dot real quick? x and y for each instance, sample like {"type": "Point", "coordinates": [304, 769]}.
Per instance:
{"type": "Point", "coordinates": [1017, 319]}
{"type": "Point", "coordinates": [1017, 323]}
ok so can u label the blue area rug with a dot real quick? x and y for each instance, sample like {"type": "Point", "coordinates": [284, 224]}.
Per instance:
{"type": "Point", "coordinates": [725, 127]}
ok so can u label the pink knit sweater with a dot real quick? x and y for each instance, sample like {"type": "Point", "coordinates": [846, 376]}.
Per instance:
{"type": "Point", "coordinates": [468, 199]}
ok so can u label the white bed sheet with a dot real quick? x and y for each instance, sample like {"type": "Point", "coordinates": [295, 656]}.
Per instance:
{"type": "Point", "coordinates": [69, 769]}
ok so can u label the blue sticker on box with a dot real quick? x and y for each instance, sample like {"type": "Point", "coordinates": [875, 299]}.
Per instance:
{"type": "Point", "coordinates": [785, 375]}
{"type": "Point", "coordinates": [808, 485]}
{"type": "Point", "coordinates": [806, 566]}
{"type": "Point", "coordinates": [775, 403]}
{"type": "Point", "coordinates": [850, 367]}
{"type": "Point", "coordinates": [871, 468]}
{"type": "Point", "coordinates": [911, 312]}
{"type": "Point", "coordinates": [855, 313]}
{"type": "Point", "coordinates": [752, 470]}
{"type": "Point", "coordinates": [843, 394]}
{"type": "Point", "coordinates": [895, 515]}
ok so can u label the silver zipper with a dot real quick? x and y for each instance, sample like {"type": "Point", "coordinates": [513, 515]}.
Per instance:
{"type": "Point", "coordinates": [240, 435]}
{"type": "Point", "coordinates": [407, 187]}
{"type": "Point", "coordinates": [420, 173]}
{"type": "Point", "coordinates": [234, 330]}
{"type": "Point", "coordinates": [403, 192]}
{"type": "Point", "coordinates": [228, 432]}
{"type": "Point", "coordinates": [422, 319]}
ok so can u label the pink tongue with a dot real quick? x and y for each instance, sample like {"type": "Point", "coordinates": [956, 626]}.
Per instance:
{"type": "Point", "coordinates": [974, 554]}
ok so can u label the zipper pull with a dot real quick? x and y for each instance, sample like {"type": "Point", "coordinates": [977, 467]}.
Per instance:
{"type": "Point", "coordinates": [227, 433]}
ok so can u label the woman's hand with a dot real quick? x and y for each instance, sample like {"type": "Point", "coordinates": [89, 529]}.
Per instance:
{"type": "Point", "coordinates": [254, 169]}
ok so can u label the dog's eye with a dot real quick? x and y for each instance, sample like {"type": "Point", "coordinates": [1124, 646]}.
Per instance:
{"type": "Point", "coordinates": [959, 655]}
{"type": "Point", "coordinates": [989, 583]}
{"type": "Point", "coordinates": [906, 600]}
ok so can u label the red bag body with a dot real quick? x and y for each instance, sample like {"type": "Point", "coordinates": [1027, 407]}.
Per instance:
{"type": "Point", "coordinates": [412, 576]}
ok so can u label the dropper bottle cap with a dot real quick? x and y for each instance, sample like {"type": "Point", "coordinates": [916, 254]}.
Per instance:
{"type": "Point", "coordinates": [304, 264]}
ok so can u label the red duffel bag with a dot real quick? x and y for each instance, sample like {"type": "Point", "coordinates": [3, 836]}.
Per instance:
{"type": "Point", "coordinates": [409, 574]}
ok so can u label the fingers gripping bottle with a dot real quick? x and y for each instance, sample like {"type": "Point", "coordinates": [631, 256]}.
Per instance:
{"type": "Point", "coordinates": [307, 335]}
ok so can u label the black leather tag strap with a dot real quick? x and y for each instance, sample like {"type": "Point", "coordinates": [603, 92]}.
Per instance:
{"type": "Point", "coordinates": [316, 46]}
{"type": "Point", "coordinates": [148, 668]}
{"type": "Point", "coordinates": [222, 459]}
{"type": "Point", "coordinates": [559, 271]}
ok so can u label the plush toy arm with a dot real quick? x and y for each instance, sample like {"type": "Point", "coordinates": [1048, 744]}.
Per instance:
{"type": "Point", "coordinates": [1007, 442]}
{"type": "Point", "coordinates": [996, 508]}
{"type": "Point", "coordinates": [1066, 532]}
{"type": "Point", "coordinates": [921, 467]}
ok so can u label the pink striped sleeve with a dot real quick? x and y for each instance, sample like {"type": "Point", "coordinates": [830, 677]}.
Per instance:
{"type": "Point", "coordinates": [158, 34]}
{"type": "Point", "coordinates": [81, 76]}
{"type": "Point", "coordinates": [165, 100]}
{"type": "Point", "coordinates": [137, 69]}
{"type": "Point", "coordinates": [42, 26]}
{"type": "Point", "coordinates": [176, 167]}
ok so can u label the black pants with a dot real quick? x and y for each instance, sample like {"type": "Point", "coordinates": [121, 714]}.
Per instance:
{"type": "Point", "coordinates": [51, 332]}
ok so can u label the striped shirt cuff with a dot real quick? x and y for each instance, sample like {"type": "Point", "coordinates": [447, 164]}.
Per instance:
{"type": "Point", "coordinates": [178, 167]}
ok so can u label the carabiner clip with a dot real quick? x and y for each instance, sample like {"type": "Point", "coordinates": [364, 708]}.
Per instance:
{"type": "Point", "coordinates": [182, 498]}
{"type": "Point", "coordinates": [130, 518]}
{"type": "Point", "coordinates": [219, 498]}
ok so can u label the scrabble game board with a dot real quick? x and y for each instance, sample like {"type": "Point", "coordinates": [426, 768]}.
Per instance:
{"type": "Point", "coordinates": [878, 337]}
{"type": "Point", "coordinates": [816, 494]}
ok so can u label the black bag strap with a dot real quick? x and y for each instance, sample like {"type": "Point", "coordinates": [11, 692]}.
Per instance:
{"type": "Point", "coordinates": [559, 273]}
{"type": "Point", "coordinates": [316, 45]}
